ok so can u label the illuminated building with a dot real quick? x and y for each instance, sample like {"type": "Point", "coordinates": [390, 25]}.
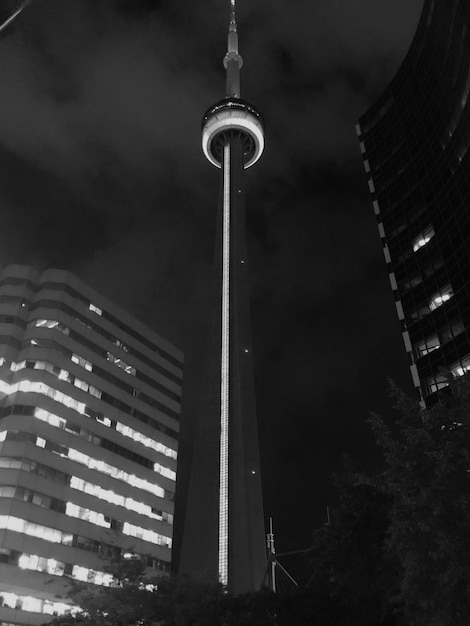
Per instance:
{"type": "Point", "coordinates": [414, 142]}
{"type": "Point", "coordinates": [89, 408]}
{"type": "Point", "coordinates": [223, 537]}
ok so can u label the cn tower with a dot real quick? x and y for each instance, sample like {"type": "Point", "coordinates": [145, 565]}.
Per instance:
{"type": "Point", "coordinates": [224, 537]}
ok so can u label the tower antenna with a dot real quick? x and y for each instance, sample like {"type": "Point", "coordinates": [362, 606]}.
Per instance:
{"type": "Point", "coordinates": [233, 60]}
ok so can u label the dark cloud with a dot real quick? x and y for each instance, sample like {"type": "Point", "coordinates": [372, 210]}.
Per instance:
{"type": "Point", "coordinates": [101, 172]}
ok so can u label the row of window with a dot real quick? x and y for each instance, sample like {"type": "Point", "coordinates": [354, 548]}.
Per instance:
{"type": "Point", "coordinates": [435, 341]}
{"type": "Point", "coordinates": [129, 389]}
{"type": "Point", "coordinates": [441, 380]}
{"type": "Point", "coordinates": [418, 242]}
{"type": "Point", "coordinates": [54, 324]}
{"type": "Point", "coordinates": [87, 323]}
{"type": "Point", "coordinates": [75, 294]}
{"type": "Point", "coordinates": [83, 459]}
{"type": "Point", "coordinates": [438, 299]}
{"type": "Point", "coordinates": [107, 495]}
{"type": "Point", "coordinates": [126, 431]}
{"type": "Point", "coordinates": [424, 272]}
{"type": "Point", "coordinates": [88, 545]}
{"type": "Point", "coordinates": [75, 358]}
{"type": "Point", "coordinates": [54, 535]}
{"type": "Point", "coordinates": [423, 238]}
{"type": "Point", "coordinates": [59, 422]}
{"type": "Point", "coordinates": [147, 441]}
{"type": "Point", "coordinates": [72, 510]}
{"type": "Point", "coordinates": [59, 568]}
{"type": "Point", "coordinates": [123, 386]}
{"type": "Point", "coordinates": [28, 386]}
{"type": "Point", "coordinates": [14, 557]}
{"type": "Point", "coordinates": [35, 605]}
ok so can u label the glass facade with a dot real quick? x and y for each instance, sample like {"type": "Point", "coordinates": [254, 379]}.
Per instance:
{"type": "Point", "coordinates": [89, 422]}
{"type": "Point", "coordinates": [414, 144]}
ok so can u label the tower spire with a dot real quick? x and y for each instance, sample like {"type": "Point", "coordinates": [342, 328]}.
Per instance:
{"type": "Point", "coordinates": [233, 60]}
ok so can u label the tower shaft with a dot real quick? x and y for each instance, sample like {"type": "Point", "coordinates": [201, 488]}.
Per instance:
{"type": "Point", "coordinates": [224, 525]}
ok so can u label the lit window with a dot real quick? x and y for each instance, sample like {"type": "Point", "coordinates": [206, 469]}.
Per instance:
{"type": "Point", "coordinates": [50, 418]}
{"type": "Point", "coordinates": [16, 524]}
{"type": "Point", "coordinates": [438, 382]}
{"type": "Point", "coordinates": [41, 564]}
{"type": "Point", "coordinates": [119, 344]}
{"type": "Point", "coordinates": [428, 345]}
{"type": "Point", "coordinates": [114, 498]}
{"type": "Point", "coordinates": [46, 323]}
{"type": "Point", "coordinates": [440, 298]}
{"type": "Point", "coordinates": [28, 386]}
{"type": "Point", "coordinates": [110, 470]}
{"type": "Point", "coordinates": [103, 420]}
{"type": "Point", "coordinates": [94, 391]}
{"type": "Point", "coordinates": [41, 323]}
{"type": "Point", "coordinates": [462, 368]}
{"type": "Point", "coordinates": [146, 535]}
{"type": "Point", "coordinates": [164, 471]}
{"type": "Point", "coordinates": [36, 605]}
{"type": "Point", "coordinates": [64, 375]}
{"type": "Point", "coordinates": [95, 309]}
{"type": "Point", "coordinates": [146, 441]}
{"type": "Point", "coordinates": [117, 361]}
{"type": "Point", "coordinates": [79, 360]}
{"type": "Point", "coordinates": [81, 384]}
{"type": "Point", "coordinates": [80, 512]}
{"type": "Point", "coordinates": [423, 239]}
{"type": "Point", "coordinates": [15, 367]}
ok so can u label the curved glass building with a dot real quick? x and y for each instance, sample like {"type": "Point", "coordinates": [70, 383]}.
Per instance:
{"type": "Point", "coordinates": [414, 141]}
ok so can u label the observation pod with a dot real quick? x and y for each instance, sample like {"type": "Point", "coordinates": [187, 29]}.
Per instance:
{"type": "Point", "coordinates": [228, 118]}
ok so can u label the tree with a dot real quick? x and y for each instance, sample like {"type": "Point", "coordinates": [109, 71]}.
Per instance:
{"type": "Point", "coordinates": [427, 478]}
{"type": "Point", "coordinates": [354, 576]}
{"type": "Point", "coordinates": [398, 546]}
{"type": "Point", "coordinates": [134, 599]}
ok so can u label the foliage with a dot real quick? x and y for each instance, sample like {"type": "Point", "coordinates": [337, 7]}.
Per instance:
{"type": "Point", "coordinates": [136, 600]}
{"type": "Point", "coordinates": [427, 478]}
{"type": "Point", "coordinates": [397, 548]}
{"type": "Point", "coordinates": [353, 575]}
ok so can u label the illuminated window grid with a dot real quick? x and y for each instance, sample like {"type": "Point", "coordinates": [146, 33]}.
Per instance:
{"type": "Point", "coordinates": [32, 604]}
{"type": "Point", "coordinates": [78, 484]}
{"type": "Point", "coordinates": [89, 513]}
{"type": "Point", "coordinates": [86, 460]}
{"type": "Point", "coordinates": [28, 386]}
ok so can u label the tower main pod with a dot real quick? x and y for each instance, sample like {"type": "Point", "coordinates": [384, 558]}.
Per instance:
{"type": "Point", "coordinates": [223, 537]}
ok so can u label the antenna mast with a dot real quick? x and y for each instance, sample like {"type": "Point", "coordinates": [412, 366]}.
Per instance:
{"type": "Point", "coordinates": [233, 60]}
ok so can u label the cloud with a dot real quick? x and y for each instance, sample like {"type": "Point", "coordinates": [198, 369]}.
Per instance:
{"type": "Point", "coordinates": [101, 172]}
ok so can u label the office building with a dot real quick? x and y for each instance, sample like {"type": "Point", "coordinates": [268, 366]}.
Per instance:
{"type": "Point", "coordinates": [224, 536]}
{"type": "Point", "coordinates": [414, 142]}
{"type": "Point", "coordinates": [89, 408]}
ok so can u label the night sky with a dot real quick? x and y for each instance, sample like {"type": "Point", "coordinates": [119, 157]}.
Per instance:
{"type": "Point", "coordinates": [101, 173]}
